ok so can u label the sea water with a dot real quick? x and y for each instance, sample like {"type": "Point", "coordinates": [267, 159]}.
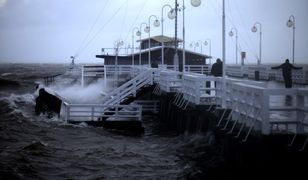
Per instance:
{"type": "Point", "coordinates": [41, 147]}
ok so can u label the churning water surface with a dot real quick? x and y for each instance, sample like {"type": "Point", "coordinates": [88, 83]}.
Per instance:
{"type": "Point", "coordinates": [38, 147]}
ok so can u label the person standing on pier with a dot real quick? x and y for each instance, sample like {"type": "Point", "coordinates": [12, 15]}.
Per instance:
{"type": "Point", "coordinates": [287, 72]}
{"type": "Point", "coordinates": [217, 68]}
{"type": "Point", "coordinates": [216, 71]}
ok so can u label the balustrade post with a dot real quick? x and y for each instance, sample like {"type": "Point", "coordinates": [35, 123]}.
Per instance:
{"type": "Point", "coordinates": [67, 110]}
{"type": "Point", "coordinates": [116, 111]}
{"type": "Point", "coordinates": [300, 115]}
{"type": "Point", "coordinates": [151, 76]}
{"type": "Point", "coordinates": [140, 113]}
{"type": "Point", "coordinates": [82, 76]}
{"type": "Point", "coordinates": [265, 113]}
{"type": "Point", "coordinates": [92, 113]}
{"type": "Point", "coordinates": [197, 89]}
{"type": "Point", "coordinates": [134, 89]}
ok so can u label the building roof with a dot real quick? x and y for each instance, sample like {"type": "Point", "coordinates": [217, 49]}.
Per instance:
{"type": "Point", "coordinates": [154, 49]}
{"type": "Point", "coordinates": [161, 39]}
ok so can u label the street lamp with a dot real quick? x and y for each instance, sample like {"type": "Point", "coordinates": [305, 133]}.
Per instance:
{"type": "Point", "coordinates": [139, 34]}
{"type": "Point", "coordinates": [291, 23]}
{"type": "Point", "coordinates": [133, 43]}
{"type": "Point", "coordinates": [118, 43]}
{"type": "Point", "coordinates": [194, 3]}
{"type": "Point", "coordinates": [197, 45]}
{"type": "Point", "coordinates": [156, 23]}
{"type": "Point", "coordinates": [171, 15]}
{"type": "Point", "coordinates": [231, 34]}
{"type": "Point", "coordinates": [193, 45]}
{"type": "Point", "coordinates": [255, 29]}
{"type": "Point", "coordinates": [208, 42]}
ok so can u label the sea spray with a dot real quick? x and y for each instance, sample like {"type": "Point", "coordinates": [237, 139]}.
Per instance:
{"type": "Point", "coordinates": [92, 93]}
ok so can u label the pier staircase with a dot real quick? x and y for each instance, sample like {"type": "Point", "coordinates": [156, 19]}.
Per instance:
{"type": "Point", "coordinates": [115, 110]}
{"type": "Point", "coordinates": [128, 92]}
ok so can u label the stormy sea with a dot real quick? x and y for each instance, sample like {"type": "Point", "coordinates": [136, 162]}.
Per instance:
{"type": "Point", "coordinates": [45, 147]}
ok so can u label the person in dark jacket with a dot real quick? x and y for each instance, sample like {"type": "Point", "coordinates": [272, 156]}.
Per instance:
{"type": "Point", "coordinates": [217, 68]}
{"type": "Point", "coordinates": [287, 72]}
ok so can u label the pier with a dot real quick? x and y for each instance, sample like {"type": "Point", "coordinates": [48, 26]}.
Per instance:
{"type": "Point", "coordinates": [195, 101]}
{"type": "Point", "coordinates": [260, 125]}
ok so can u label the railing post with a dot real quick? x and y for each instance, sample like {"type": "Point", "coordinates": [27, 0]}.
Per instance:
{"type": "Point", "coordinates": [152, 77]}
{"type": "Point", "coordinates": [140, 113]}
{"type": "Point", "coordinates": [92, 113]}
{"type": "Point", "coordinates": [155, 106]}
{"type": "Point", "coordinates": [67, 113]}
{"type": "Point", "coordinates": [300, 115]}
{"type": "Point", "coordinates": [82, 76]}
{"type": "Point", "coordinates": [117, 111]}
{"type": "Point", "coordinates": [265, 113]}
{"type": "Point", "coordinates": [197, 90]}
{"type": "Point", "coordinates": [134, 88]}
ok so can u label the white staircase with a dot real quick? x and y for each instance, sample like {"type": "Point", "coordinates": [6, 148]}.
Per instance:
{"type": "Point", "coordinates": [129, 88]}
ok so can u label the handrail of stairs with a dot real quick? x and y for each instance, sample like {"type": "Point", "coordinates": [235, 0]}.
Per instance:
{"type": "Point", "coordinates": [128, 88]}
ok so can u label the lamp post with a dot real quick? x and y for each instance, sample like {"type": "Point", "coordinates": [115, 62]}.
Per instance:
{"type": "Point", "coordinates": [291, 23]}
{"type": "Point", "coordinates": [236, 37]}
{"type": "Point", "coordinates": [139, 34]}
{"type": "Point", "coordinates": [208, 42]}
{"type": "Point", "coordinates": [118, 43]}
{"type": "Point", "coordinates": [255, 29]}
{"type": "Point", "coordinates": [193, 45]}
{"type": "Point", "coordinates": [133, 43]}
{"type": "Point", "coordinates": [171, 15]}
{"type": "Point", "coordinates": [199, 42]}
{"type": "Point", "coordinates": [156, 24]}
{"type": "Point", "coordinates": [194, 3]}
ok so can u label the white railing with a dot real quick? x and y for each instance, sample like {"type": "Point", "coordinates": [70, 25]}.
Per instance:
{"type": "Point", "coordinates": [170, 81]}
{"type": "Point", "coordinates": [92, 112]}
{"type": "Point", "coordinates": [246, 108]}
{"type": "Point", "coordinates": [118, 69]}
{"type": "Point", "coordinates": [234, 71]}
{"type": "Point", "coordinates": [298, 76]}
{"type": "Point", "coordinates": [255, 107]}
{"type": "Point", "coordinates": [199, 89]}
{"type": "Point", "coordinates": [129, 88]}
{"type": "Point", "coordinates": [92, 71]}
{"type": "Point", "coordinates": [266, 73]}
{"type": "Point", "coordinates": [262, 70]}
{"type": "Point", "coordinates": [148, 105]}
{"type": "Point", "coordinates": [288, 109]}
{"type": "Point", "coordinates": [200, 69]}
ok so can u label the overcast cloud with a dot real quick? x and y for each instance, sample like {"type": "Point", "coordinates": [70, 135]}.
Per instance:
{"type": "Point", "coordinates": [53, 30]}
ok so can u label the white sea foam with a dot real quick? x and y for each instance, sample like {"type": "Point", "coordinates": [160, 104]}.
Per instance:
{"type": "Point", "coordinates": [79, 94]}
{"type": "Point", "coordinates": [5, 74]}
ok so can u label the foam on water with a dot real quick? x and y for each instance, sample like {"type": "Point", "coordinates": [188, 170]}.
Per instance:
{"type": "Point", "coordinates": [78, 94]}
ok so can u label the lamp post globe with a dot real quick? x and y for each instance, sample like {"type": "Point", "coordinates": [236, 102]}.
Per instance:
{"type": "Point", "coordinates": [147, 29]}
{"type": "Point", "coordinates": [171, 14]}
{"type": "Point", "coordinates": [254, 29]}
{"type": "Point", "coordinates": [156, 23]}
{"type": "Point", "coordinates": [231, 33]}
{"type": "Point", "coordinates": [138, 33]}
{"type": "Point", "coordinates": [195, 3]}
{"type": "Point", "coordinates": [290, 23]}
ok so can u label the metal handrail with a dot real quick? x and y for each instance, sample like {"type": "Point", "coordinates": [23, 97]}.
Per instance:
{"type": "Point", "coordinates": [91, 112]}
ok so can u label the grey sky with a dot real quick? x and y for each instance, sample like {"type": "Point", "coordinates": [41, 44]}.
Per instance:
{"type": "Point", "coordinates": [53, 30]}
